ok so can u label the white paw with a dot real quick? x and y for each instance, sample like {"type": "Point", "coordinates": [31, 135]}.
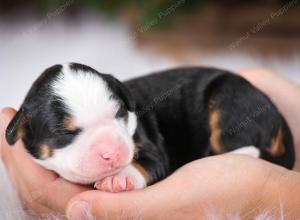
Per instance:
{"type": "Point", "coordinates": [248, 150]}
{"type": "Point", "coordinates": [126, 180]}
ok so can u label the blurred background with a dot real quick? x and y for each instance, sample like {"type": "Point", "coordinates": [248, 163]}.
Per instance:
{"type": "Point", "coordinates": [130, 38]}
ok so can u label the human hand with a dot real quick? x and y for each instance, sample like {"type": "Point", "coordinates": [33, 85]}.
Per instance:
{"type": "Point", "coordinates": [50, 188]}
{"type": "Point", "coordinates": [40, 190]}
{"type": "Point", "coordinates": [221, 186]}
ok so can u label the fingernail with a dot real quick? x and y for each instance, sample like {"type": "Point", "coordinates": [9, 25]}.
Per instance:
{"type": "Point", "coordinates": [80, 211]}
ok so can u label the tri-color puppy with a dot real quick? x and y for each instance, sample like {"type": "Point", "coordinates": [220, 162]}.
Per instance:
{"type": "Point", "coordinates": [92, 129]}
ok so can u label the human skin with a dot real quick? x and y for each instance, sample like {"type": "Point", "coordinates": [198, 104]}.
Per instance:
{"type": "Point", "coordinates": [39, 189]}
{"type": "Point", "coordinates": [221, 186]}
{"type": "Point", "coordinates": [234, 184]}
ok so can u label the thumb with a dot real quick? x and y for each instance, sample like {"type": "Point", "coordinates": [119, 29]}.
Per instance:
{"type": "Point", "coordinates": [101, 205]}
{"type": "Point", "coordinates": [153, 202]}
{"type": "Point", "coordinates": [6, 115]}
{"type": "Point", "coordinates": [15, 156]}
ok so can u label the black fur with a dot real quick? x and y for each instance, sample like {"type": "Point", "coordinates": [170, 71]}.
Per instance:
{"type": "Point", "coordinates": [172, 107]}
{"type": "Point", "coordinates": [119, 90]}
{"type": "Point", "coordinates": [40, 118]}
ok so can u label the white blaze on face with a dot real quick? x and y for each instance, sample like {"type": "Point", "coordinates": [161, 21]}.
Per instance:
{"type": "Point", "coordinates": [105, 144]}
{"type": "Point", "coordinates": [86, 95]}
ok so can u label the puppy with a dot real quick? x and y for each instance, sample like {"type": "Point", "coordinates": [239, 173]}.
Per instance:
{"type": "Point", "coordinates": [92, 129]}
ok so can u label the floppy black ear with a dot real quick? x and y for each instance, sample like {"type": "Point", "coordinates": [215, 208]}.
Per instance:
{"type": "Point", "coordinates": [122, 91]}
{"type": "Point", "coordinates": [15, 129]}
{"type": "Point", "coordinates": [126, 96]}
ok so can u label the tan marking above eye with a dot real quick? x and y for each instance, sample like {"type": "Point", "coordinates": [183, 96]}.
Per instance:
{"type": "Point", "coordinates": [69, 123]}
{"type": "Point", "coordinates": [277, 148]}
{"type": "Point", "coordinates": [215, 137]}
{"type": "Point", "coordinates": [45, 152]}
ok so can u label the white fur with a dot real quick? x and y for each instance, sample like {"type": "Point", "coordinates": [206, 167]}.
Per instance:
{"type": "Point", "coordinates": [86, 95]}
{"type": "Point", "coordinates": [139, 180]}
{"type": "Point", "coordinates": [89, 100]}
{"type": "Point", "coordinates": [249, 150]}
{"type": "Point", "coordinates": [132, 123]}
{"type": "Point", "coordinates": [67, 161]}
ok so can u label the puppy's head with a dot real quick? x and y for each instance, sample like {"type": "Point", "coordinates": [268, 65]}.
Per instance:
{"type": "Point", "coordinates": [77, 122]}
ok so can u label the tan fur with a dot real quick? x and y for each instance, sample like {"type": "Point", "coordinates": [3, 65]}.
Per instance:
{"type": "Point", "coordinates": [215, 137]}
{"type": "Point", "coordinates": [69, 124]}
{"type": "Point", "coordinates": [21, 131]}
{"type": "Point", "coordinates": [45, 152]}
{"type": "Point", "coordinates": [277, 148]}
{"type": "Point", "coordinates": [141, 169]}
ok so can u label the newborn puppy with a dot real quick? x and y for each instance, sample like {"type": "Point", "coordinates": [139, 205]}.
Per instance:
{"type": "Point", "coordinates": [92, 129]}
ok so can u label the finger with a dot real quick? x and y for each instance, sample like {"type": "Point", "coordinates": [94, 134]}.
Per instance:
{"type": "Point", "coordinates": [102, 205]}
{"type": "Point", "coordinates": [34, 183]}
{"type": "Point", "coordinates": [145, 203]}
{"type": "Point", "coordinates": [138, 204]}
{"type": "Point", "coordinates": [187, 189]}
{"type": "Point", "coordinates": [5, 117]}
{"type": "Point", "coordinates": [56, 195]}
{"type": "Point", "coordinates": [16, 157]}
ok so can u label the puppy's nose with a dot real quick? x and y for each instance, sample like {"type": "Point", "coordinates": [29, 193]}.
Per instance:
{"type": "Point", "coordinates": [113, 156]}
{"type": "Point", "coordinates": [107, 156]}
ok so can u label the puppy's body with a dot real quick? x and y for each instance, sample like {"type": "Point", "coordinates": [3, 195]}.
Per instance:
{"type": "Point", "coordinates": [189, 113]}
{"type": "Point", "coordinates": [89, 127]}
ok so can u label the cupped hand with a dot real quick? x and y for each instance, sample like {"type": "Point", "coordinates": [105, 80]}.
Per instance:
{"type": "Point", "coordinates": [220, 187]}
{"type": "Point", "coordinates": [40, 190]}
{"type": "Point", "coordinates": [212, 186]}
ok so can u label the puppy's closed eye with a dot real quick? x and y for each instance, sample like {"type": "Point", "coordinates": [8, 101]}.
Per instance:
{"type": "Point", "coordinates": [121, 113]}
{"type": "Point", "coordinates": [73, 132]}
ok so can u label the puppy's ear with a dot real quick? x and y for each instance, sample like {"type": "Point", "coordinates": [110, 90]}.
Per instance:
{"type": "Point", "coordinates": [16, 128]}
{"type": "Point", "coordinates": [122, 91]}
{"type": "Point", "coordinates": [126, 96]}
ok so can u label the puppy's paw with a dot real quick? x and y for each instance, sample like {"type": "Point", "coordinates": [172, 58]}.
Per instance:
{"type": "Point", "coordinates": [115, 184]}
{"type": "Point", "coordinates": [247, 150]}
{"type": "Point", "coordinates": [128, 179]}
